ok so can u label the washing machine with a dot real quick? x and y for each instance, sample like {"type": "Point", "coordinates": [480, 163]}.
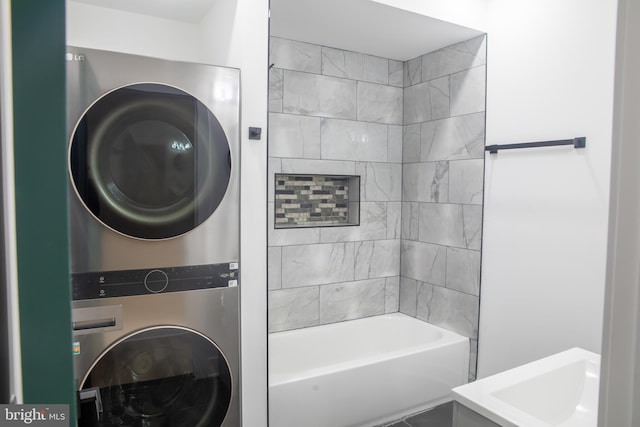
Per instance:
{"type": "Point", "coordinates": [154, 238]}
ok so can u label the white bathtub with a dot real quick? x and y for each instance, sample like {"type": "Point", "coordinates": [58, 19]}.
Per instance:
{"type": "Point", "coordinates": [559, 390]}
{"type": "Point", "coordinates": [362, 372]}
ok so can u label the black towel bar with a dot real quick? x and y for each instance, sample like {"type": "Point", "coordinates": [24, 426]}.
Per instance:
{"type": "Point", "coordinates": [579, 142]}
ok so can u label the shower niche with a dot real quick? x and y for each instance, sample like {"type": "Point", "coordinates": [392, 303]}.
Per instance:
{"type": "Point", "coordinates": [316, 200]}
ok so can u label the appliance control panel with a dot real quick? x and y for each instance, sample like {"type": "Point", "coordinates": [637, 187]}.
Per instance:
{"type": "Point", "coordinates": [109, 284]}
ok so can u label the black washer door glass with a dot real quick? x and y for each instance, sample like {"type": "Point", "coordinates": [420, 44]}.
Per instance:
{"type": "Point", "coordinates": [150, 161]}
{"type": "Point", "coordinates": [165, 377]}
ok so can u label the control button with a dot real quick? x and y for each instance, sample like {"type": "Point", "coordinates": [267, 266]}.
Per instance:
{"type": "Point", "coordinates": [233, 266]}
{"type": "Point", "coordinates": [233, 283]}
{"type": "Point", "coordinates": [156, 281]}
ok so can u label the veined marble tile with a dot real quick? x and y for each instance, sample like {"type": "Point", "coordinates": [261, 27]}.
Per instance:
{"type": "Point", "coordinates": [425, 182]}
{"type": "Point", "coordinates": [289, 236]}
{"type": "Point", "coordinates": [411, 143]}
{"type": "Point", "coordinates": [376, 69]}
{"type": "Point", "coordinates": [454, 138]}
{"type": "Point", "coordinates": [451, 225]}
{"type": "Point", "coordinates": [396, 73]}
{"type": "Point", "coordinates": [466, 181]}
{"type": "Point", "coordinates": [325, 167]}
{"type": "Point", "coordinates": [352, 140]}
{"type": "Point", "coordinates": [294, 136]}
{"type": "Point", "coordinates": [454, 58]}
{"type": "Point", "coordinates": [416, 104]}
{"type": "Point", "coordinates": [413, 71]}
{"type": "Point", "coordinates": [468, 91]}
{"type": "Point", "coordinates": [394, 143]}
{"type": "Point", "coordinates": [423, 261]}
{"type": "Point", "coordinates": [394, 220]}
{"type": "Point", "coordinates": [379, 103]}
{"type": "Point", "coordinates": [274, 267]}
{"type": "Point", "coordinates": [316, 95]}
{"type": "Point", "coordinates": [473, 359]}
{"type": "Point", "coordinates": [472, 217]}
{"type": "Point", "coordinates": [276, 90]}
{"type": "Point", "coordinates": [307, 265]}
{"type": "Point", "coordinates": [426, 101]}
{"type": "Point", "coordinates": [274, 167]}
{"type": "Point", "coordinates": [292, 236]}
{"type": "Point", "coordinates": [346, 301]}
{"type": "Point", "coordinates": [392, 294]}
{"type": "Point", "coordinates": [410, 220]}
{"type": "Point", "coordinates": [380, 182]}
{"type": "Point", "coordinates": [293, 308]}
{"type": "Point", "coordinates": [377, 258]}
{"type": "Point", "coordinates": [353, 65]}
{"type": "Point", "coordinates": [439, 97]}
{"type": "Point", "coordinates": [463, 270]}
{"type": "Point", "coordinates": [442, 224]}
{"type": "Point", "coordinates": [424, 300]}
{"type": "Point", "coordinates": [294, 55]}
{"type": "Point", "coordinates": [408, 296]}
{"type": "Point", "coordinates": [452, 310]}
{"type": "Point", "coordinates": [342, 63]}
{"type": "Point", "coordinates": [373, 225]}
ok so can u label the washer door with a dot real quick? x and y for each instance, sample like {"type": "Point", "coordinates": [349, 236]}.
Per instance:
{"type": "Point", "coordinates": [150, 161]}
{"type": "Point", "coordinates": [165, 376]}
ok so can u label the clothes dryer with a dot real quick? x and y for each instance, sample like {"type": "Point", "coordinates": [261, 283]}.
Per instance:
{"type": "Point", "coordinates": [154, 237]}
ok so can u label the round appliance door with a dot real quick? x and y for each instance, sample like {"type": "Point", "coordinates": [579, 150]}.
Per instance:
{"type": "Point", "coordinates": [150, 161]}
{"type": "Point", "coordinates": [158, 377]}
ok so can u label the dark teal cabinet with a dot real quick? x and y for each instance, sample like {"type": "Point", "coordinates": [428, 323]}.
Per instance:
{"type": "Point", "coordinates": [38, 65]}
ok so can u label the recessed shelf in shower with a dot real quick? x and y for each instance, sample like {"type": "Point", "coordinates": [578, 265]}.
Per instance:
{"type": "Point", "coordinates": [313, 200]}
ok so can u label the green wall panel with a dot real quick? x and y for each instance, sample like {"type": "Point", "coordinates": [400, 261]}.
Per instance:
{"type": "Point", "coordinates": [38, 38]}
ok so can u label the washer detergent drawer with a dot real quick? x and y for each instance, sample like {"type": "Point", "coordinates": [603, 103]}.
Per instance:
{"type": "Point", "coordinates": [90, 320]}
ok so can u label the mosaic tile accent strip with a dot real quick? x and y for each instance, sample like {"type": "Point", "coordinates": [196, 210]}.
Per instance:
{"type": "Point", "coordinates": [315, 200]}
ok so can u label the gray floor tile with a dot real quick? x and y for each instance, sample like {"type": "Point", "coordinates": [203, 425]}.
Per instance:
{"type": "Point", "coordinates": [440, 416]}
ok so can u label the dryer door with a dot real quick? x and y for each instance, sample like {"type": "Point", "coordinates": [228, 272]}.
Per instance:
{"type": "Point", "coordinates": [149, 161]}
{"type": "Point", "coordinates": [158, 377]}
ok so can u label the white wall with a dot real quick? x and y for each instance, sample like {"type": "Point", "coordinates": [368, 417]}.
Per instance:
{"type": "Point", "coordinates": [467, 13]}
{"type": "Point", "coordinates": [550, 76]}
{"type": "Point", "coordinates": [120, 31]}
{"type": "Point", "coordinates": [235, 34]}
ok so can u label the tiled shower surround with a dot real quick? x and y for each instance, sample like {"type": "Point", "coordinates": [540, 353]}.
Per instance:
{"type": "Point", "coordinates": [414, 133]}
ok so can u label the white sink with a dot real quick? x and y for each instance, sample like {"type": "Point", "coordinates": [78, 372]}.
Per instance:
{"type": "Point", "coordinates": [559, 390]}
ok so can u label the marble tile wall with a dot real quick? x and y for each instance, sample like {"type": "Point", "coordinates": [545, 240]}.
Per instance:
{"type": "Point", "coordinates": [336, 112]}
{"type": "Point", "coordinates": [414, 133]}
{"type": "Point", "coordinates": [442, 188]}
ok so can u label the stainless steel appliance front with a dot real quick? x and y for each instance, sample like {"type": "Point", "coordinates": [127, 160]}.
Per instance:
{"type": "Point", "coordinates": [154, 236]}
{"type": "Point", "coordinates": [154, 162]}
{"type": "Point", "coordinates": [159, 360]}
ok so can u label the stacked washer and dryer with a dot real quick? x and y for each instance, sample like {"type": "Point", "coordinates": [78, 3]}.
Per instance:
{"type": "Point", "coordinates": [154, 223]}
